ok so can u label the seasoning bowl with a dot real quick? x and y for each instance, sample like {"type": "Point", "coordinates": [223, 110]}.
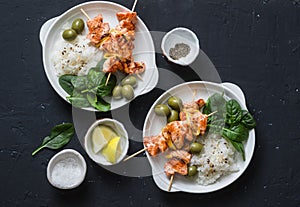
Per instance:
{"type": "Point", "coordinates": [119, 129]}
{"type": "Point", "coordinates": [177, 36]}
{"type": "Point", "coordinates": [66, 169]}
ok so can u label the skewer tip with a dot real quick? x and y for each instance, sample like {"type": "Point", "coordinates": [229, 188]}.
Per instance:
{"type": "Point", "coordinates": [85, 14]}
{"type": "Point", "coordinates": [108, 77]}
{"type": "Point", "coordinates": [134, 154]}
{"type": "Point", "coordinates": [212, 113]}
{"type": "Point", "coordinates": [134, 4]}
{"type": "Point", "coordinates": [171, 182]}
{"type": "Point", "coordinates": [139, 76]}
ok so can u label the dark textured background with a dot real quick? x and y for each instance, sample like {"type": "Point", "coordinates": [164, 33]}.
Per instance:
{"type": "Point", "coordinates": [255, 44]}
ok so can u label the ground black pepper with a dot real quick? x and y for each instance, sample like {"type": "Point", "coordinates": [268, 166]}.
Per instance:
{"type": "Point", "coordinates": [180, 50]}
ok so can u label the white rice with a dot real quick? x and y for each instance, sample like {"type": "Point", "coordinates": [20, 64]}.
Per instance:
{"type": "Point", "coordinates": [75, 57]}
{"type": "Point", "coordinates": [216, 159]}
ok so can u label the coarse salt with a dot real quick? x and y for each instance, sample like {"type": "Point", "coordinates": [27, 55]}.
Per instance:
{"type": "Point", "coordinates": [66, 173]}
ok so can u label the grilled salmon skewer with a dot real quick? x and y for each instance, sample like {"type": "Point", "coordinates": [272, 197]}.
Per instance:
{"type": "Point", "coordinates": [175, 135]}
{"type": "Point", "coordinates": [177, 164]}
{"type": "Point", "coordinates": [117, 43]}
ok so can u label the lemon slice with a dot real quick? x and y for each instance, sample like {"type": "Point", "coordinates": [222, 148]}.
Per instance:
{"type": "Point", "coordinates": [101, 136]}
{"type": "Point", "coordinates": [112, 150]}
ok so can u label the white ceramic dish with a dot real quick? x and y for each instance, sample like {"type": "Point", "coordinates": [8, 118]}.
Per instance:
{"type": "Point", "coordinates": [181, 35]}
{"type": "Point", "coordinates": [119, 129]}
{"type": "Point", "coordinates": [64, 156]}
{"type": "Point", "coordinates": [153, 125]}
{"type": "Point", "coordinates": [144, 47]}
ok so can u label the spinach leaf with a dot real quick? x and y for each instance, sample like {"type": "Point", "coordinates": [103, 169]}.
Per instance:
{"type": "Point", "coordinates": [60, 135]}
{"type": "Point", "coordinates": [65, 81]}
{"type": "Point", "coordinates": [105, 90]}
{"type": "Point", "coordinates": [97, 102]}
{"type": "Point", "coordinates": [216, 125]}
{"type": "Point", "coordinates": [206, 109]}
{"type": "Point", "coordinates": [239, 147]}
{"type": "Point", "coordinates": [237, 133]}
{"type": "Point", "coordinates": [94, 78]}
{"type": "Point", "coordinates": [215, 102]}
{"type": "Point", "coordinates": [78, 100]}
{"type": "Point", "coordinates": [233, 112]}
{"type": "Point", "coordinates": [102, 105]}
{"type": "Point", "coordinates": [248, 120]}
{"type": "Point", "coordinates": [89, 90]}
{"type": "Point", "coordinates": [79, 83]}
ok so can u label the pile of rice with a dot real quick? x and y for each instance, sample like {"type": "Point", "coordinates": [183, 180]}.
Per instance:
{"type": "Point", "coordinates": [75, 57]}
{"type": "Point", "coordinates": [216, 159]}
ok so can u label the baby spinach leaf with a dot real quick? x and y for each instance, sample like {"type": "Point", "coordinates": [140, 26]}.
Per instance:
{"type": "Point", "coordinates": [239, 147]}
{"type": "Point", "coordinates": [94, 78]}
{"type": "Point", "coordinates": [65, 81]}
{"type": "Point", "coordinates": [216, 125]}
{"type": "Point", "coordinates": [248, 120]}
{"type": "Point", "coordinates": [79, 83]}
{"type": "Point", "coordinates": [97, 102]}
{"type": "Point", "coordinates": [237, 133]}
{"type": "Point", "coordinates": [206, 109]}
{"type": "Point", "coordinates": [92, 98]}
{"type": "Point", "coordinates": [215, 102]}
{"type": "Point", "coordinates": [78, 100]}
{"type": "Point", "coordinates": [233, 112]}
{"type": "Point", "coordinates": [60, 135]}
{"type": "Point", "coordinates": [102, 105]}
{"type": "Point", "coordinates": [105, 90]}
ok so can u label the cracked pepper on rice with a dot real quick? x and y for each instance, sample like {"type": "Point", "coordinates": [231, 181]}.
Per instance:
{"type": "Point", "coordinates": [75, 57]}
{"type": "Point", "coordinates": [216, 159]}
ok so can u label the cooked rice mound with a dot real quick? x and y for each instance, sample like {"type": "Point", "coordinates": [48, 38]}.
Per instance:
{"type": "Point", "coordinates": [75, 57]}
{"type": "Point", "coordinates": [216, 159]}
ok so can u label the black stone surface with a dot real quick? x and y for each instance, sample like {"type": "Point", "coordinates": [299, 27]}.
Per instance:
{"type": "Point", "coordinates": [255, 44]}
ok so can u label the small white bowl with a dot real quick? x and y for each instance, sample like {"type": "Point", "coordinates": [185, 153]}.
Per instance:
{"type": "Point", "coordinates": [66, 169]}
{"type": "Point", "coordinates": [181, 35]}
{"type": "Point", "coordinates": [119, 129]}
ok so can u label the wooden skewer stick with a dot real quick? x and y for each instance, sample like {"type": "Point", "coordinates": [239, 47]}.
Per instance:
{"type": "Point", "coordinates": [85, 14]}
{"type": "Point", "coordinates": [194, 95]}
{"type": "Point", "coordinates": [134, 4]}
{"type": "Point", "coordinates": [107, 78]}
{"type": "Point", "coordinates": [131, 156]}
{"type": "Point", "coordinates": [139, 76]}
{"type": "Point", "coordinates": [171, 182]}
{"type": "Point", "coordinates": [212, 113]}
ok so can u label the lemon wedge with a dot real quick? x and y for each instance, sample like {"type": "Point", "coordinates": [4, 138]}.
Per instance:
{"type": "Point", "coordinates": [101, 135]}
{"type": "Point", "coordinates": [112, 150]}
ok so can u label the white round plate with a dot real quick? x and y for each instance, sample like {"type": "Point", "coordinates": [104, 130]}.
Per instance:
{"type": "Point", "coordinates": [144, 47]}
{"type": "Point", "coordinates": [153, 125]}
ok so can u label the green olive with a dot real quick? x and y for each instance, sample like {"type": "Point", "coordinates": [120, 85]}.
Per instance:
{"type": "Point", "coordinates": [162, 110]}
{"type": "Point", "coordinates": [78, 25]}
{"type": "Point", "coordinates": [174, 116]}
{"type": "Point", "coordinates": [69, 34]}
{"type": "Point", "coordinates": [117, 92]}
{"type": "Point", "coordinates": [127, 92]}
{"type": "Point", "coordinates": [175, 103]}
{"type": "Point", "coordinates": [196, 147]}
{"type": "Point", "coordinates": [192, 170]}
{"type": "Point", "coordinates": [129, 80]}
